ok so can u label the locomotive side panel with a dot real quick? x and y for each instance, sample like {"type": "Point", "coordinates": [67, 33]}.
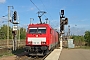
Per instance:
{"type": "Point", "coordinates": [53, 41]}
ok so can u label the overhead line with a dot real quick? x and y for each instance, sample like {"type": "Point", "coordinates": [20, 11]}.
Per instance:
{"type": "Point", "coordinates": [46, 9]}
{"type": "Point", "coordinates": [36, 6]}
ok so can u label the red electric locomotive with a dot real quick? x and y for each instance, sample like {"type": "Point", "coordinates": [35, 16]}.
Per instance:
{"type": "Point", "coordinates": [40, 38]}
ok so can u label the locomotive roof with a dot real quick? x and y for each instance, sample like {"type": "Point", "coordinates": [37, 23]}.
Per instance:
{"type": "Point", "coordinates": [40, 25]}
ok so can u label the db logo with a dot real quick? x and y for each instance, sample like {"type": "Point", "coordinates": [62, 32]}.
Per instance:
{"type": "Point", "coordinates": [36, 35]}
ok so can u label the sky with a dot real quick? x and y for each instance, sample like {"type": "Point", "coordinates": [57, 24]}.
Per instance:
{"type": "Point", "coordinates": [77, 12]}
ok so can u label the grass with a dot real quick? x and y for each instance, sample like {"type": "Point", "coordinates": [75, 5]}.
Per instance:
{"type": "Point", "coordinates": [6, 52]}
{"type": "Point", "coordinates": [84, 47]}
{"type": "Point", "coordinates": [18, 51]}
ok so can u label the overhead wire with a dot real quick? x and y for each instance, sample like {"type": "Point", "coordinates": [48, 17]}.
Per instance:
{"type": "Point", "coordinates": [39, 9]}
{"type": "Point", "coordinates": [46, 9]}
{"type": "Point", "coordinates": [48, 13]}
{"type": "Point", "coordinates": [36, 6]}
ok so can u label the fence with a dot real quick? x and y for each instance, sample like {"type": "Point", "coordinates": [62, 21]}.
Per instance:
{"type": "Point", "coordinates": [4, 42]}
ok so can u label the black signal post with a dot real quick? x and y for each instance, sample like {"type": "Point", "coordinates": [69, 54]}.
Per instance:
{"type": "Point", "coordinates": [63, 21]}
{"type": "Point", "coordinates": [15, 15]}
{"type": "Point", "coordinates": [62, 12]}
{"type": "Point", "coordinates": [15, 28]}
{"type": "Point", "coordinates": [61, 26]}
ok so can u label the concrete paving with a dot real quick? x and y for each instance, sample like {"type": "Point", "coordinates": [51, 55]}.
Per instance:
{"type": "Point", "coordinates": [75, 54]}
{"type": "Point", "coordinates": [54, 55]}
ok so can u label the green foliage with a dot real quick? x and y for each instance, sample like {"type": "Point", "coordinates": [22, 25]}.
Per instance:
{"type": "Point", "coordinates": [22, 33]}
{"type": "Point", "coordinates": [78, 40]}
{"type": "Point", "coordinates": [87, 37]}
{"type": "Point", "coordinates": [3, 32]}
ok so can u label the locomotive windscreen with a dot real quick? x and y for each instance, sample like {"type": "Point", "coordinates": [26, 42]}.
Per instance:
{"type": "Point", "coordinates": [41, 30]}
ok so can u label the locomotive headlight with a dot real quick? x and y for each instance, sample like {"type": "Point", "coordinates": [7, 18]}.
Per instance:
{"type": "Point", "coordinates": [30, 42]}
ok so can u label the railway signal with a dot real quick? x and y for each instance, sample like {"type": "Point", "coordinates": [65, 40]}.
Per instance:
{"type": "Point", "coordinates": [62, 12]}
{"type": "Point", "coordinates": [15, 18]}
{"type": "Point", "coordinates": [15, 15]}
{"type": "Point", "coordinates": [63, 21]}
{"type": "Point", "coordinates": [61, 26]}
{"type": "Point", "coordinates": [14, 32]}
{"type": "Point", "coordinates": [15, 28]}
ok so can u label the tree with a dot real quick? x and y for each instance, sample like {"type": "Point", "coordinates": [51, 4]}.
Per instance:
{"type": "Point", "coordinates": [78, 40]}
{"type": "Point", "coordinates": [22, 33]}
{"type": "Point", "coordinates": [3, 32]}
{"type": "Point", "coordinates": [87, 37]}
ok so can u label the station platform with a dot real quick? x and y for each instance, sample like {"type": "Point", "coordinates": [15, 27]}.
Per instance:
{"type": "Point", "coordinates": [54, 55]}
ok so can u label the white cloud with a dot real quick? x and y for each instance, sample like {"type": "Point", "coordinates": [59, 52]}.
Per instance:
{"type": "Point", "coordinates": [80, 25]}
{"type": "Point", "coordinates": [32, 8]}
{"type": "Point", "coordinates": [2, 1]}
{"type": "Point", "coordinates": [77, 31]}
{"type": "Point", "coordinates": [3, 19]}
{"type": "Point", "coordinates": [55, 24]}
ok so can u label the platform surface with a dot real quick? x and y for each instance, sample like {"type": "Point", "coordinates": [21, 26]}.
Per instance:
{"type": "Point", "coordinates": [75, 54]}
{"type": "Point", "coordinates": [54, 55]}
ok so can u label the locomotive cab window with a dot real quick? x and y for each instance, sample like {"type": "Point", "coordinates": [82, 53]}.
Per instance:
{"type": "Point", "coordinates": [32, 30]}
{"type": "Point", "coordinates": [42, 30]}
{"type": "Point", "coordinates": [37, 30]}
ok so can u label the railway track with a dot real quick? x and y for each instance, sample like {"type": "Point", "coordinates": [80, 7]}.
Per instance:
{"type": "Point", "coordinates": [23, 56]}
